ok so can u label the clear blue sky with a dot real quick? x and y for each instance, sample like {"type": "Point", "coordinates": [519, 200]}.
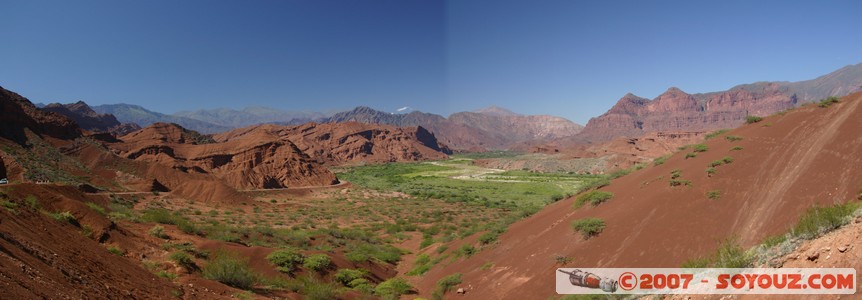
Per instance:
{"type": "Point", "coordinates": [568, 58]}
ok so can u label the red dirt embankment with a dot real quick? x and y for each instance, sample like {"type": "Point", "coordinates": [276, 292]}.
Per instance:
{"type": "Point", "coordinates": [788, 163]}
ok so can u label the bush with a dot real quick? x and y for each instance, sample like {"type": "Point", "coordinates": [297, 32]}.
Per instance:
{"type": "Point", "coordinates": [159, 232]}
{"type": "Point", "coordinates": [727, 159]}
{"type": "Point", "coordinates": [819, 220]}
{"type": "Point", "coordinates": [660, 160]}
{"type": "Point", "coordinates": [589, 227]}
{"type": "Point", "coordinates": [594, 197]}
{"type": "Point", "coordinates": [285, 260]}
{"type": "Point", "coordinates": [678, 182]}
{"type": "Point", "coordinates": [230, 269]}
{"type": "Point", "coordinates": [65, 217]}
{"type": "Point", "coordinates": [32, 202]}
{"type": "Point", "coordinates": [701, 148]}
{"type": "Point", "coordinates": [828, 101]}
{"type": "Point", "coordinates": [731, 255]}
{"type": "Point", "coordinates": [184, 260]}
{"type": "Point", "coordinates": [392, 288]}
{"type": "Point", "coordinates": [446, 284]}
{"type": "Point", "coordinates": [733, 138]}
{"type": "Point", "coordinates": [713, 194]}
{"type": "Point", "coordinates": [317, 262]}
{"type": "Point", "coordinates": [690, 155]}
{"type": "Point", "coordinates": [711, 171]}
{"type": "Point", "coordinates": [676, 173]}
{"type": "Point", "coordinates": [716, 163]}
{"type": "Point", "coordinates": [348, 276]}
{"type": "Point", "coordinates": [488, 237]}
{"type": "Point", "coordinates": [701, 262]}
{"type": "Point", "coordinates": [737, 148]}
{"type": "Point", "coordinates": [466, 250]}
{"type": "Point", "coordinates": [752, 119]}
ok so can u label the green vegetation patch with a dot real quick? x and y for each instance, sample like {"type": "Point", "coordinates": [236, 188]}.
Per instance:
{"type": "Point", "coordinates": [588, 227]}
{"type": "Point", "coordinates": [752, 119]}
{"type": "Point", "coordinates": [230, 269]}
{"type": "Point", "coordinates": [716, 133]}
{"type": "Point", "coordinates": [828, 101]}
{"type": "Point", "coordinates": [594, 198]}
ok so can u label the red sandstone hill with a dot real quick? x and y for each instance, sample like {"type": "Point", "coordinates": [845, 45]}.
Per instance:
{"type": "Point", "coordinates": [786, 164]}
{"type": "Point", "coordinates": [19, 115]}
{"type": "Point", "coordinates": [351, 142]}
{"type": "Point", "coordinates": [260, 160]}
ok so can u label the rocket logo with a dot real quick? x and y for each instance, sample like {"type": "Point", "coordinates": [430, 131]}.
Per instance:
{"type": "Point", "coordinates": [590, 280]}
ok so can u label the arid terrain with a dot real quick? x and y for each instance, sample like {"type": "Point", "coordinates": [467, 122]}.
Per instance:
{"type": "Point", "coordinates": [365, 204]}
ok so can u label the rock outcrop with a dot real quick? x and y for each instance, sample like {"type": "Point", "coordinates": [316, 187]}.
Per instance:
{"type": "Point", "coordinates": [89, 119]}
{"type": "Point", "coordinates": [259, 160]}
{"type": "Point", "coordinates": [20, 114]}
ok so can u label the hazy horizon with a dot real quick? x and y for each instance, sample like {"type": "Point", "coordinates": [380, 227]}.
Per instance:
{"type": "Point", "coordinates": [562, 58]}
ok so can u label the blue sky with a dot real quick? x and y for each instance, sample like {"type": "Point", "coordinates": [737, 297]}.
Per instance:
{"type": "Point", "coordinates": [568, 58]}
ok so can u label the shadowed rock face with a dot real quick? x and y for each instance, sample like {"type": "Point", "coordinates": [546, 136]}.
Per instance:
{"type": "Point", "coordinates": [20, 114]}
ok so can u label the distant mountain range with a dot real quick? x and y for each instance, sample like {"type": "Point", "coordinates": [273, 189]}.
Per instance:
{"type": "Point", "coordinates": [498, 128]}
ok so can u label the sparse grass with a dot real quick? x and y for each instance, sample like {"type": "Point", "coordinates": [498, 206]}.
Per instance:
{"type": "Point", "coordinates": [660, 160]}
{"type": "Point", "coordinates": [116, 250]}
{"type": "Point", "coordinates": [713, 194]}
{"type": "Point", "coordinates": [348, 276]}
{"type": "Point", "coordinates": [32, 202]}
{"type": "Point", "coordinates": [675, 173]}
{"type": "Point", "coordinates": [700, 148]}
{"type": "Point", "coordinates": [727, 159]}
{"type": "Point", "coordinates": [716, 163]}
{"type": "Point", "coordinates": [819, 220]}
{"type": "Point", "coordinates": [65, 217]}
{"type": "Point", "coordinates": [562, 260]}
{"type": "Point", "coordinates": [716, 133]}
{"type": "Point", "coordinates": [230, 269]}
{"type": "Point", "coordinates": [774, 240]}
{"type": "Point", "coordinates": [752, 119]}
{"type": "Point", "coordinates": [733, 138]}
{"type": "Point", "coordinates": [736, 148]}
{"type": "Point", "coordinates": [588, 227]}
{"type": "Point", "coordinates": [728, 255]}
{"type": "Point", "coordinates": [97, 208]}
{"type": "Point", "coordinates": [690, 155]}
{"type": "Point", "coordinates": [594, 198]}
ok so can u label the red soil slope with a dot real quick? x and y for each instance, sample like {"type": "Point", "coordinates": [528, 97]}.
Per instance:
{"type": "Point", "coordinates": [789, 162]}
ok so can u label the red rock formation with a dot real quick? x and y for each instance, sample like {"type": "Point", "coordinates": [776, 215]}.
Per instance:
{"type": "Point", "coordinates": [20, 114]}
{"type": "Point", "coordinates": [254, 161]}
{"type": "Point", "coordinates": [352, 142]}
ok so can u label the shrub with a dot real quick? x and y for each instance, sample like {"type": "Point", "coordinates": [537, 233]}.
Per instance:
{"type": "Point", "coordinates": [727, 159]}
{"type": "Point", "coordinates": [660, 160]}
{"type": "Point", "coordinates": [466, 250]}
{"type": "Point", "coordinates": [116, 250]}
{"type": "Point", "coordinates": [676, 173]}
{"type": "Point", "coordinates": [731, 255]}
{"type": "Point", "coordinates": [66, 217]}
{"type": "Point", "coordinates": [716, 163]}
{"type": "Point", "coordinates": [713, 194]}
{"type": "Point", "coordinates": [317, 262]}
{"type": "Point", "coordinates": [828, 101]}
{"type": "Point", "coordinates": [446, 284]}
{"type": "Point", "coordinates": [589, 227]}
{"type": "Point", "coordinates": [774, 240]}
{"type": "Point", "coordinates": [593, 197]}
{"type": "Point", "coordinates": [230, 269]}
{"type": "Point", "coordinates": [347, 276]}
{"type": "Point", "coordinates": [752, 119]}
{"type": "Point", "coordinates": [711, 171]}
{"type": "Point", "coordinates": [392, 288]}
{"type": "Point", "coordinates": [700, 262]}
{"type": "Point", "coordinates": [737, 148]}
{"type": "Point", "coordinates": [32, 202]}
{"type": "Point", "coordinates": [285, 260]}
{"type": "Point", "coordinates": [690, 155]}
{"type": "Point", "coordinates": [819, 220]}
{"type": "Point", "coordinates": [488, 237]}
{"type": "Point", "coordinates": [159, 232]}
{"type": "Point", "coordinates": [701, 148]}
{"type": "Point", "coordinates": [184, 260]}
{"type": "Point", "coordinates": [733, 138]}
{"type": "Point", "coordinates": [678, 182]}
